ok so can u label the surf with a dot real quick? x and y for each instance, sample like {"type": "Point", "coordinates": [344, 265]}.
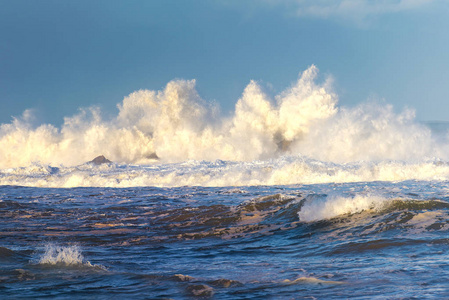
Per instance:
{"type": "Point", "coordinates": [173, 137]}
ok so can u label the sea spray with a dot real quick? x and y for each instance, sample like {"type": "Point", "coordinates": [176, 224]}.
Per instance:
{"type": "Point", "coordinates": [176, 125]}
{"type": "Point", "coordinates": [65, 256]}
{"type": "Point", "coordinates": [370, 132]}
{"type": "Point", "coordinates": [62, 255]}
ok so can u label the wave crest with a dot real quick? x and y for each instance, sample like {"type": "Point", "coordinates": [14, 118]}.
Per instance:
{"type": "Point", "coordinates": [320, 208]}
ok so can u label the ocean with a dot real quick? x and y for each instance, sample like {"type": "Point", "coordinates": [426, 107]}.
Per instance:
{"type": "Point", "coordinates": [291, 197]}
{"type": "Point", "coordinates": [366, 240]}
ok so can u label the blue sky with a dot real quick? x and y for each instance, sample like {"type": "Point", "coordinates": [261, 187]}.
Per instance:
{"type": "Point", "coordinates": [57, 56]}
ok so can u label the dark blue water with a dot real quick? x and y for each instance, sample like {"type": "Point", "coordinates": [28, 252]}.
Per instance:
{"type": "Point", "coordinates": [358, 240]}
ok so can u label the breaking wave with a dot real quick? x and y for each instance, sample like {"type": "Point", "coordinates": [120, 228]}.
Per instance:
{"type": "Point", "coordinates": [333, 206]}
{"type": "Point", "coordinates": [280, 171]}
{"type": "Point", "coordinates": [298, 136]}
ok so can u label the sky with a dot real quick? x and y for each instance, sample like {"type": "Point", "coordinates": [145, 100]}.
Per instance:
{"type": "Point", "coordinates": [57, 56]}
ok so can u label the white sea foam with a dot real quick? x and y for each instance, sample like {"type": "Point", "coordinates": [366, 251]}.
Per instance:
{"type": "Point", "coordinates": [333, 206]}
{"type": "Point", "coordinates": [280, 171]}
{"type": "Point", "coordinates": [298, 136]}
{"type": "Point", "coordinates": [423, 221]}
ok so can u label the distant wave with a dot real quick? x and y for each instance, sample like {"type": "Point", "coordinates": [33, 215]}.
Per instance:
{"type": "Point", "coordinates": [281, 171]}
{"type": "Point", "coordinates": [177, 125]}
{"type": "Point", "coordinates": [299, 136]}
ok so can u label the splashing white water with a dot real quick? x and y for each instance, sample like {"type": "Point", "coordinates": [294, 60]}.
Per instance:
{"type": "Point", "coordinates": [63, 255]}
{"type": "Point", "coordinates": [281, 171]}
{"type": "Point", "coordinates": [176, 125]}
{"type": "Point", "coordinates": [333, 206]}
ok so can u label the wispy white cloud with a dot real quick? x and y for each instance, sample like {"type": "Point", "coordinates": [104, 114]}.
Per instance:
{"type": "Point", "coordinates": [350, 10]}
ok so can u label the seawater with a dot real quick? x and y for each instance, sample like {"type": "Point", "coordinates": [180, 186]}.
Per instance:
{"type": "Point", "coordinates": [363, 240]}
{"type": "Point", "coordinates": [290, 197]}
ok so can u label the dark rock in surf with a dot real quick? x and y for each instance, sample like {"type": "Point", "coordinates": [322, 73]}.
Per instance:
{"type": "Point", "coordinates": [153, 156]}
{"type": "Point", "coordinates": [99, 160]}
{"type": "Point", "coordinates": [284, 145]}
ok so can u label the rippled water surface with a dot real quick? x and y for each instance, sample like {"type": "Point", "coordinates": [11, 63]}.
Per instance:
{"type": "Point", "coordinates": [362, 240]}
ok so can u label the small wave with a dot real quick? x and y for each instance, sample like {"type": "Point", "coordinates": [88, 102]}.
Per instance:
{"type": "Point", "coordinates": [374, 245]}
{"type": "Point", "coordinates": [324, 207]}
{"type": "Point", "coordinates": [9, 255]}
{"type": "Point", "coordinates": [411, 205]}
{"type": "Point", "coordinates": [368, 214]}
{"type": "Point", "coordinates": [261, 215]}
{"type": "Point", "coordinates": [5, 252]}
{"type": "Point", "coordinates": [312, 280]}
